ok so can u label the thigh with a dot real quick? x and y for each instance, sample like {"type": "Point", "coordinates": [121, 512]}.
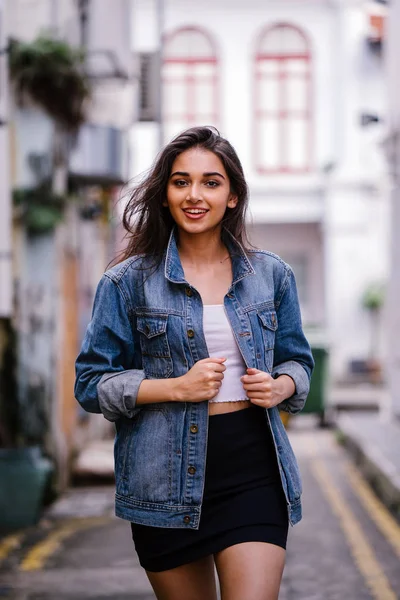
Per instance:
{"type": "Point", "coordinates": [193, 581]}
{"type": "Point", "coordinates": [250, 570]}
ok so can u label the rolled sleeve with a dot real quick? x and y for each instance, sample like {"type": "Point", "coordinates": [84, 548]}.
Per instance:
{"type": "Point", "coordinates": [125, 387]}
{"type": "Point", "coordinates": [105, 380]}
{"type": "Point", "coordinates": [292, 352]}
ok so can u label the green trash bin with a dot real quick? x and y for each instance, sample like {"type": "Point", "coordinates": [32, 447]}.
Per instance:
{"type": "Point", "coordinates": [316, 401]}
{"type": "Point", "coordinates": [24, 475]}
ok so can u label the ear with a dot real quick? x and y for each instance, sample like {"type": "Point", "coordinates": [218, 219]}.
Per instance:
{"type": "Point", "coordinates": [232, 202]}
{"type": "Point", "coordinates": [165, 203]}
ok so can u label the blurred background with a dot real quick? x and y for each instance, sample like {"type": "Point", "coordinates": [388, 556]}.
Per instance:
{"type": "Point", "coordinates": [308, 92]}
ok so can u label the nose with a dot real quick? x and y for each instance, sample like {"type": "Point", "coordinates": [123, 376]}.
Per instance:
{"type": "Point", "coordinates": [194, 194]}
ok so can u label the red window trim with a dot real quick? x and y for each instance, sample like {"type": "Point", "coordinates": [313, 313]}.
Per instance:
{"type": "Point", "coordinates": [191, 80]}
{"type": "Point", "coordinates": [282, 114]}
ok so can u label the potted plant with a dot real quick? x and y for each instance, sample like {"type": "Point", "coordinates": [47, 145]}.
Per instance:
{"type": "Point", "coordinates": [372, 300]}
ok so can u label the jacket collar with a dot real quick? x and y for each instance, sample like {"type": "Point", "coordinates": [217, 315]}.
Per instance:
{"type": "Point", "coordinates": [241, 266]}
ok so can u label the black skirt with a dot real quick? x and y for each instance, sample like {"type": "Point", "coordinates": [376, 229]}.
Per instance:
{"type": "Point", "coordinates": [243, 498]}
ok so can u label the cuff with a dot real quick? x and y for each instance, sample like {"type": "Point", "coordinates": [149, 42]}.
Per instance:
{"type": "Point", "coordinates": [295, 403]}
{"type": "Point", "coordinates": [117, 393]}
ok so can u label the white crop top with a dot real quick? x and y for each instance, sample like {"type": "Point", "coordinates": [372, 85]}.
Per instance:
{"type": "Point", "coordinates": [221, 342]}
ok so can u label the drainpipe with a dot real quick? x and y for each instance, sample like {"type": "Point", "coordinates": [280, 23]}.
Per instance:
{"type": "Point", "coordinates": [160, 30]}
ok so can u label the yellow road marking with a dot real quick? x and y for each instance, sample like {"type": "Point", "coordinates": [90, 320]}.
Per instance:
{"type": "Point", "coordinates": [376, 510]}
{"type": "Point", "coordinates": [362, 552]}
{"type": "Point", "coordinates": [10, 543]}
{"type": "Point", "coordinates": [39, 553]}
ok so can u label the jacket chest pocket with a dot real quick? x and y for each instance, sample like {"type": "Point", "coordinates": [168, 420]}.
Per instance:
{"type": "Point", "coordinates": [269, 325]}
{"type": "Point", "coordinates": [155, 350]}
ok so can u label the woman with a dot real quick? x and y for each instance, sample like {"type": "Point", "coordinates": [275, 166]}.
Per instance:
{"type": "Point", "coordinates": [195, 341]}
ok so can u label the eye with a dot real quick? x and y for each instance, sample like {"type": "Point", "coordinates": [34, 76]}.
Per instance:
{"type": "Point", "coordinates": [212, 184]}
{"type": "Point", "coordinates": [180, 182]}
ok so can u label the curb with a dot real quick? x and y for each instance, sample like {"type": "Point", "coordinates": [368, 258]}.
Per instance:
{"type": "Point", "coordinates": [371, 463]}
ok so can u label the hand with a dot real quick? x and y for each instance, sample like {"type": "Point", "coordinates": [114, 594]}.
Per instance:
{"type": "Point", "coordinates": [264, 390]}
{"type": "Point", "coordinates": [202, 381]}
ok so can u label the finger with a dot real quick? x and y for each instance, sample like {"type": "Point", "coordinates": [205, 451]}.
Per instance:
{"type": "Point", "coordinates": [253, 372]}
{"type": "Point", "coordinates": [258, 378]}
{"type": "Point", "coordinates": [256, 395]}
{"type": "Point", "coordinates": [218, 376]}
{"type": "Point", "coordinates": [216, 359]}
{"type": "Point", "coordinates": [256, 387]}
{"type": "Point", "coordinates": [218, 368]}
{"type": "Point", "coordinates": [258, 402]}
{"type": "Point", "coordinates": [213, 392]}
{"type": "Point", "coordinates": [211, 360]}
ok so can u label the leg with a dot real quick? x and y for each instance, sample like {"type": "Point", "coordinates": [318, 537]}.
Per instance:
{"type": "Point", "coordinates": [194, 581]}
{"type": "Point", "coordinates": [250, 570]}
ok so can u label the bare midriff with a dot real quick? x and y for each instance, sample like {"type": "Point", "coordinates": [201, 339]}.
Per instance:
{"type": "Point", "coordinates": [218, 408]}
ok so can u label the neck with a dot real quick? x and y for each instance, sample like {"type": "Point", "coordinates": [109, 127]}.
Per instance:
{"type": "Point", "coordinates": [201, 250]}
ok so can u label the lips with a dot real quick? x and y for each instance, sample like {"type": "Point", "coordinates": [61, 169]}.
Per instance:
{"type": "Point", "coordinates": [195, 213]}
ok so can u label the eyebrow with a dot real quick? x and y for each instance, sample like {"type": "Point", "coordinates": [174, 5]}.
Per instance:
{"type": "Point", "coordinates": [208, 174]}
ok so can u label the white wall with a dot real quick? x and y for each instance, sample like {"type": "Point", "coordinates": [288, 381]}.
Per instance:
{"type": "Point", "coordinates": [299, 240]}
{"type": "Point", "coordinates": [33, 132]}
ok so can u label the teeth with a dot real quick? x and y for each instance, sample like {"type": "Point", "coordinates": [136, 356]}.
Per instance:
{"type": "Point", "coordinates": [195, 211]}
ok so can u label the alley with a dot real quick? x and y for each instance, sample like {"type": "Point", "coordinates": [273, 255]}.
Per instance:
{"type": "Point", "coordinates": [347, 546]}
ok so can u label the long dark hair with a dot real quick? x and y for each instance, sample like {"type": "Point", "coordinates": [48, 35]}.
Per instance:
{"type": "Point", "coordinates": [148, 223]}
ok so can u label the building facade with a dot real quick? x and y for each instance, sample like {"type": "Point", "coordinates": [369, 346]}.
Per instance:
{"type": "Point", "coordinates": [298, 88]}
{"type": "Point", "coordinates": [56, 272]}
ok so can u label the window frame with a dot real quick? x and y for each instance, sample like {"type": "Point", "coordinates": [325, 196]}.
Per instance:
{"type": "Point", "coordinates": [282, 113]}
{"type": "Point", "coordinates": [190, 80]}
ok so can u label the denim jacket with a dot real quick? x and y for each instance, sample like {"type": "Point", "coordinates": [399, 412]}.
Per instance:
{"type": "Point", "coordinates": [147, 323]}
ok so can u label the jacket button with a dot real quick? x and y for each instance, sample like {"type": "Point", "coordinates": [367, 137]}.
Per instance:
{"type": "Point", "coordinates": [147, 329]}
{"type": "Point", "coordinates": [186, 519]}
{"type": "Point", "coordinates": [190, 333]}
{"type": "Point", "coordinates": [189, 292]}
{"type": "Point", "coordinates": [194, 429]}
{"type": "Point", "coordinates": [192, 470]}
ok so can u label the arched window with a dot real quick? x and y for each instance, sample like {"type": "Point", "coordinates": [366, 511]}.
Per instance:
{"type": "Point", "coordinates": [190, 78]}
{"type": "Point", "coordinates": [283, 101]}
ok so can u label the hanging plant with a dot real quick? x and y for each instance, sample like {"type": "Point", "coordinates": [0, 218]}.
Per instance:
{"type": "Point", "coordinates": [49, 73]}
{"type": "Point", "coordinates": [39, 209]}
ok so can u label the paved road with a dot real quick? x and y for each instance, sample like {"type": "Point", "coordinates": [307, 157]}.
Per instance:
{"type": "Point", "coordinates": [347, 546]}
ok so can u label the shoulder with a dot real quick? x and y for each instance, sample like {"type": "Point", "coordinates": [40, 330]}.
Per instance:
{"type": "Point", "coordinates": [271, 269]}
{"type": "Point", "coordinates": [269, 260]}
{"type": "Point", "coordinates": [124, 269]}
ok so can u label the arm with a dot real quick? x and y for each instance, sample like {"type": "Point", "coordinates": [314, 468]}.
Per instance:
{"type": "Point", "coordinates": [292, 353]}
{"type": "Point", "coordinates": [201, 382]}
{"type": "Point", "coordinates": [105, 382]}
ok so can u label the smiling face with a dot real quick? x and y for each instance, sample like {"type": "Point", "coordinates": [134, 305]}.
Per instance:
{"type": "Point", "coordinates": [198, 191]}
